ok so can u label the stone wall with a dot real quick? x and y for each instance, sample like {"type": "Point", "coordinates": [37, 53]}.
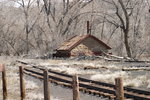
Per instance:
{"type": "Point", "coordinates": [89, 47]}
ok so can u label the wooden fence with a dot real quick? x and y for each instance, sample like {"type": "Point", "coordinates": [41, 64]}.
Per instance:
{"type": "Point", "coordinates": [75, 85]}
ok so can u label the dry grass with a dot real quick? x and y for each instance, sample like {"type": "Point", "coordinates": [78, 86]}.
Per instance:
{"type": "Point", "coordinates": [111, 71]}
{"type": "Point", "coordinates": [34, 92]}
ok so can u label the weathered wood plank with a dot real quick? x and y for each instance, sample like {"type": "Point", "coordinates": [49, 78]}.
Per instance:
{"type": "Point", "coordinates": [75, 86]}
{"type": "Point", "coordinates": [119, 89]}
{"type": "Point", "coordinates": [22, 84]}
{"type": "Point", "coordinates": [4, 81]}
{"type": "Point", "coordinates": [46, 86]}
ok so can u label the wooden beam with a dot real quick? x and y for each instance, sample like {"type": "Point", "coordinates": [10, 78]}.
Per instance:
{"type": "Point", "coordinates": [22, 84]}
{"type": "Point", "coordinates": [46, 86]}
{"type": "Point", "coordinates": [119, 89]}
{"type": "Point", "coordinates": [4, 81]}
{"type": "Point", "coordinates": [75, 85]}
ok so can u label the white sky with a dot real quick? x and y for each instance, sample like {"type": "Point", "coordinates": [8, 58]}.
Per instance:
{"type": "Point", "coordinates": [10, 2]}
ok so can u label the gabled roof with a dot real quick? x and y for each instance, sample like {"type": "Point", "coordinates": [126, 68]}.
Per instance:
{"type": "Point", "coordinates": [76, 40]}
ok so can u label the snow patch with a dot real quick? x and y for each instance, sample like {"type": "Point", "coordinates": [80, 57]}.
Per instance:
{"type": "Point", "coordinates": [109, 76]}
{"type": "Point", "coordinates": [136, 82]}
{"type": "Point", "coordinates": [31, 85]}
{"type": "Point", "coordinates": [65, 69]}
{"type": "Point", "coordinates": [34, 96]}
{"type": "Point", "coordinates": [148, 83]}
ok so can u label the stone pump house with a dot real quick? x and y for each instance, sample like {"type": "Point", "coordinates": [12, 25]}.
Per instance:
{"type": "Point", "coordinates": [87, 45]}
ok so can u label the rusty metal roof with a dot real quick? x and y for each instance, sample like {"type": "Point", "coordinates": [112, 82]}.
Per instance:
{"type": "Point", "coordinates": [76, 40]}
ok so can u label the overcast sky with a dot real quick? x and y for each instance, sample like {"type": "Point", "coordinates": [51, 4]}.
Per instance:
{"type": "Point", "coordinates": [8, 2]}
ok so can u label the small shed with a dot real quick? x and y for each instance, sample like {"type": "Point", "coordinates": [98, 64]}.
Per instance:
{"type": "Point", "coordinates": [81, 45]}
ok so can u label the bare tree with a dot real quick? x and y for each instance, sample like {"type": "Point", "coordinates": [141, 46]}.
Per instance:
{"type": "Point", "coordinates": [124, 11]}
{"type": "Point", "coordinates": [27, 6]}
{"type": "Point", "coordinates": [124, 23]}
{"type": "Point", "coordinates": [61, 24]}
{"type": "Point", "coordinates": [40, 25]}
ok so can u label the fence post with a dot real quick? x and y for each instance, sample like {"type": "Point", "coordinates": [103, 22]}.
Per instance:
{"type": "Point", "coordinates": [22, 84]}
{"type": "Point", "coordinates": [46, 86]}
{"type": "Point", "coordinates": [4, 81]}
{"type": "Point", "coordinates": [119, 88]}
{"type": "Point", "coordinates": [75, 86]}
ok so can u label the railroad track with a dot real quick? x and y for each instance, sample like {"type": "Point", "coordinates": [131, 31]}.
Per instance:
{"type": "Point", "coordinates": [86, 85]}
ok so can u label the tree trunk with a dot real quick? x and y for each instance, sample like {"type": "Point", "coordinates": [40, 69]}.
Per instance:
{"type": "Point", "coordinates": [126, 42]}
{"type": "Point", "coordinates": [125, 27]}
{"type": "Point", "coordinates": [27, 36]}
